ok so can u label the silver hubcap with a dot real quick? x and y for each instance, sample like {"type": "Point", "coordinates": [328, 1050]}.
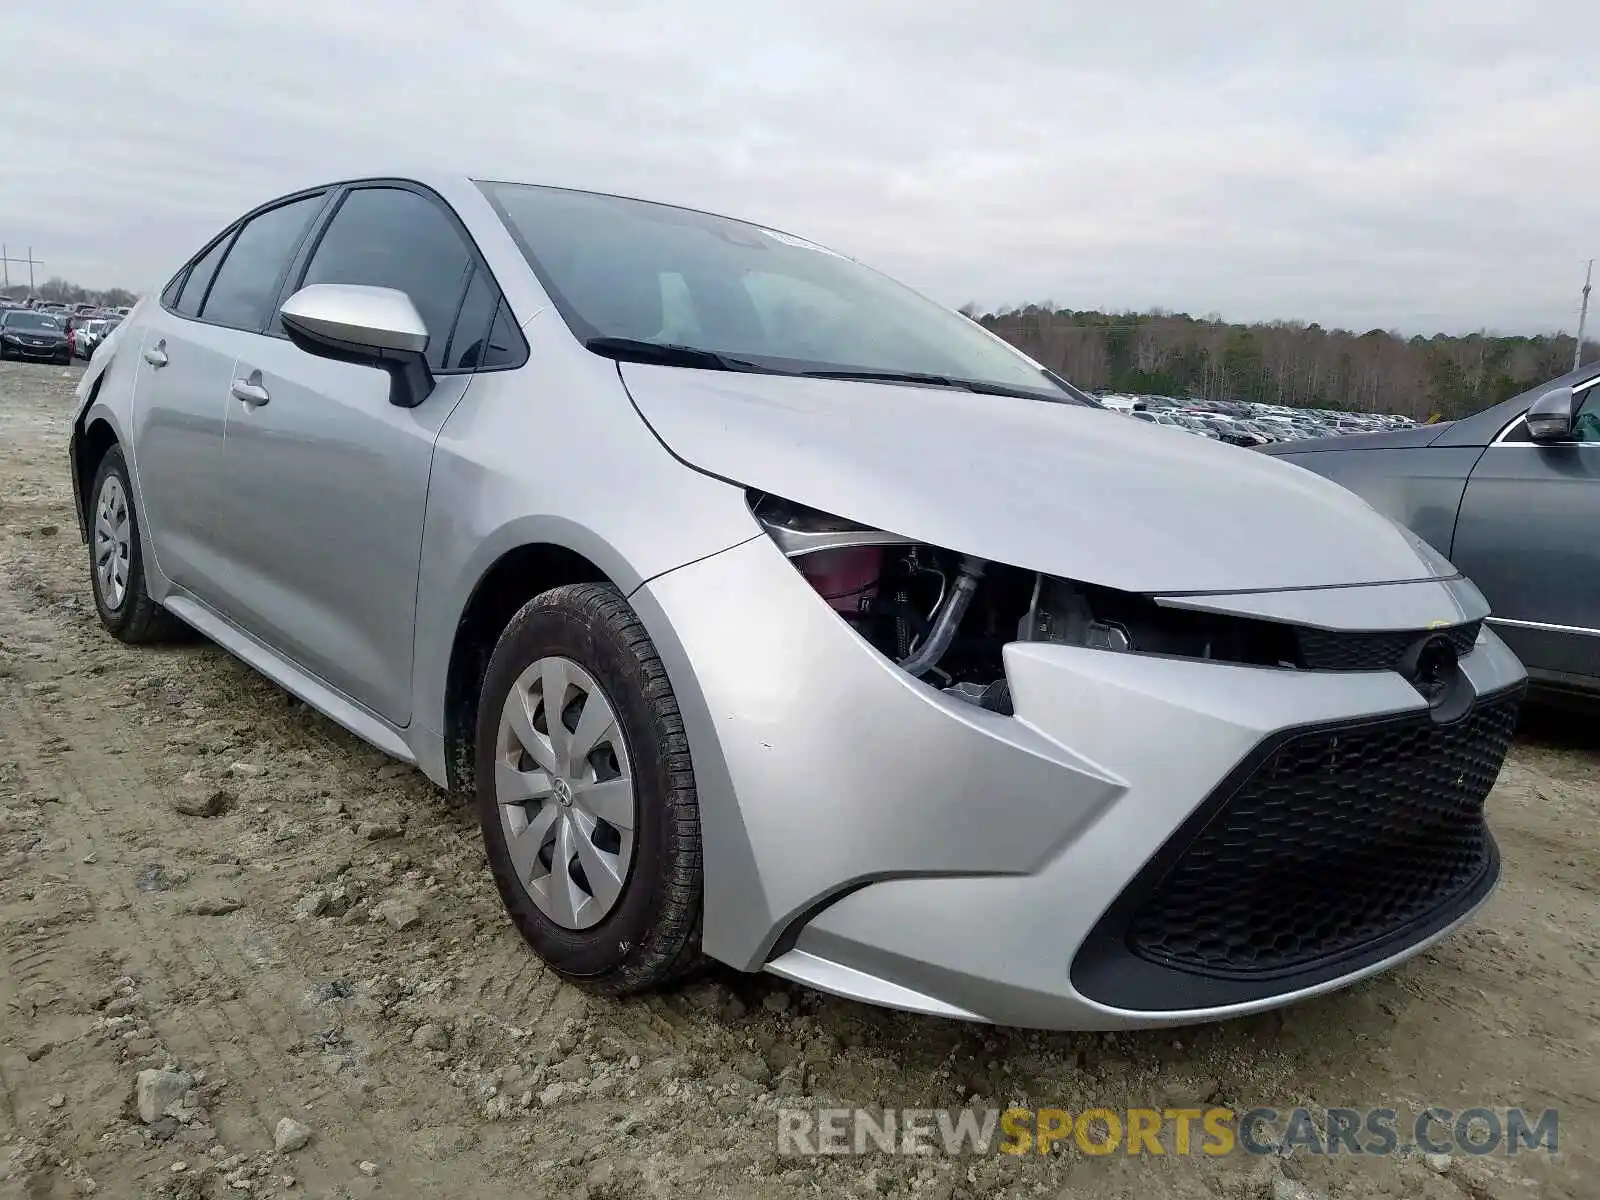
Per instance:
{"type": "Point", "coordinates": [565, 788]}
{"type": "Point", "coordinates": [112, 542]}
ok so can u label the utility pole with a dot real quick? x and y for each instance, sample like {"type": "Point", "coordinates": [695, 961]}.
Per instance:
{"type": "Point", "coordinates": [7, 259]}
{"type": "Point", "coordinates": [1583, 316]}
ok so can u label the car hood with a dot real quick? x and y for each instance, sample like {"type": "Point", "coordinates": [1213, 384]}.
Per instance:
{"type": "Point", "coordinates": [16, 331]}
{"type": "Point", "coordinates": [1379, 439]}
{"type": "Point", "coordinates": [1059, 488]}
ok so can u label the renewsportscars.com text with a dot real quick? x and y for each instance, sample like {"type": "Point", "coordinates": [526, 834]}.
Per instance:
{"type": "Point", "coordinates": [1212, 1131]}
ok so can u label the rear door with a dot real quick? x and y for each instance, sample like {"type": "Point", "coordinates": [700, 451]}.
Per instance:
{"type": "Point", "coordinates": [327, 481]}
{"type": "Point", "coordinates": [1526, 536]}
{"type": "Point", "coordinates": [180, 404]}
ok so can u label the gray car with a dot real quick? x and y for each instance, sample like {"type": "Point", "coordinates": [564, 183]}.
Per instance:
{"type": "Point", "coordinates": [774, 613]}
{"type": "Point", "coordinates": [1511, 495]}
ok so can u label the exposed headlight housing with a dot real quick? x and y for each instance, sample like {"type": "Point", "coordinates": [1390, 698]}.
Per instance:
{"type": "Point", "coordinates": [945, 617]}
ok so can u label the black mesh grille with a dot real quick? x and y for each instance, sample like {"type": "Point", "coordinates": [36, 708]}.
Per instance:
{"type": "Point", "coordinates": [1338, 838]}
{"type": "Point", "coordinates": [1331, 650]}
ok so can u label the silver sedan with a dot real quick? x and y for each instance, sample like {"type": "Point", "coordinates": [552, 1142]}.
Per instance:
{"type": "Point", "coordinates": [777, 614]}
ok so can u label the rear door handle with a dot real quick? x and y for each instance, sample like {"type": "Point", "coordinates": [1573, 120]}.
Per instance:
{"type": "Point", "coordinates": [250, 390]}
{"type": "Point", "coordinates": [156, 356]}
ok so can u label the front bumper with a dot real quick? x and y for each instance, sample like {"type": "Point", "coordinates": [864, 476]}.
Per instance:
{"type": "Point", "coordinates": [865, 834]}
{"type": "Point", "coordinates": [21, 349]}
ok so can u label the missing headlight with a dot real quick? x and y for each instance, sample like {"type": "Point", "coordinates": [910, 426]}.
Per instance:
{"type": "Point", "coordinates": [945, 617]}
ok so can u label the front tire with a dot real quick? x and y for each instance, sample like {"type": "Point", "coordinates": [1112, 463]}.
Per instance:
{"type": "Point", "coordinates": [587, 803]}
{"type": "Point", "coordinates": [116, 560]}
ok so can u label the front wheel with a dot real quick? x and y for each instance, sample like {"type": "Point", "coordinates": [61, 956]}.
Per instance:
{"type": "Point", "coordinates": [586, 793]}
{"type": "Point", "coordinates": [116, 560]}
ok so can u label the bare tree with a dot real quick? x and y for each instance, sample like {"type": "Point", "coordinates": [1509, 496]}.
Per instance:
{"type": "Point", "coordinates": [1286, 362]}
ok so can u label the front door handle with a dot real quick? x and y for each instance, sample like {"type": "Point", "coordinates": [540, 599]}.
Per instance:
{"type": "Point", "coordinates": [156, 356]}
{"type": "Point", "coordinates": [250, 390]}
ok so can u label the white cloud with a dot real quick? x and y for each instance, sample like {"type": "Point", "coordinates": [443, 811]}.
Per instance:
{"type": "Point", "coordinates": [1427, 165]}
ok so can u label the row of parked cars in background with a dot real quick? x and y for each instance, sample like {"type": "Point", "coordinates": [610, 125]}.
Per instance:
{"type": "Point", "coordinates": [52, 331]}
{"type": "Point", "coordinates": [1245, 423]}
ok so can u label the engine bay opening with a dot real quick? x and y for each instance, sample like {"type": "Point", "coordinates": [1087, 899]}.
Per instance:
{"type": "Point", "coordinates": [945, 617]}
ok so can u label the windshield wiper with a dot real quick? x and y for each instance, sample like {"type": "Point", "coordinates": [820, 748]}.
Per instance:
{"type": "Point", "coordinates": [666, 354]}
{"type": "Point", "coordinates": [982, 386]}
{"type": "Point", "coordinates": [890, 377]}
{"type": "Point", "coordinates": [670, 354]}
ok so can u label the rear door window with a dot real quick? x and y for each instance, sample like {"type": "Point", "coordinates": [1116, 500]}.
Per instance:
{"type": "Point", "coordinates": [200, 275]}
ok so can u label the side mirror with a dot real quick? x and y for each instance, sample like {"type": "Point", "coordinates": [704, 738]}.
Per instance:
{"type": "Point", "coordinates": [370, 326]}
{"type": "Point", "coordinates": [1551, 416]}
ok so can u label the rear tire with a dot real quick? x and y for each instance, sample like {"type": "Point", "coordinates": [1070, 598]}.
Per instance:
{"type": "Point", "coordinates": [555, 822]}
{"type": "Point", "coordinates": [116, 560]}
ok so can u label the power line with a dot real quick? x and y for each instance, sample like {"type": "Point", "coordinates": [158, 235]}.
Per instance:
{"type": "Point", "coordinates": [6, 260]}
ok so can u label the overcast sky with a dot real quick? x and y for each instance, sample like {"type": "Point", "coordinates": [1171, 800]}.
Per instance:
{"type": "Point", "coordinates": [1414, 165]}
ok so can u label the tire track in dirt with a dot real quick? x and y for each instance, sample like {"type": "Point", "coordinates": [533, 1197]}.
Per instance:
{"type": "Point", "coordinates": [230, 1032]}
{"type": "Point", "coordinates": [104, 756]}
{"type": "Point", "coordinates": [9, 1124]}
{"type": "Point", "coordinates": [130, 927]}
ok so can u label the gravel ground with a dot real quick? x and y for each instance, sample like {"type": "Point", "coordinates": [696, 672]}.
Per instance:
{"type": "Point", "coordinates": [199, 876]}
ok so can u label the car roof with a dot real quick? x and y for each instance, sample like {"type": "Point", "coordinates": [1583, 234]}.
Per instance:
{"type": "Point", "coordinates": [454, 184]}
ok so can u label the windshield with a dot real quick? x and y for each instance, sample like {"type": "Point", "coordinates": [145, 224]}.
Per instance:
{"type": "Point", "coordinates": [34, 322]}
{"type": "Point", "coordinates": [742, 297]}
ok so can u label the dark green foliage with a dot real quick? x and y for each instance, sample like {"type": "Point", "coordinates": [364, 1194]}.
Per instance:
{"type": "Point", "coordinates": [1282, 362]}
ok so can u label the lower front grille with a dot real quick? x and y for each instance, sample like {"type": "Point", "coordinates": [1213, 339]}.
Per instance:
{"type": "Point", "coordinates": [1336, 839]}
{"type": "Point", "coordinates": [1330, 848]}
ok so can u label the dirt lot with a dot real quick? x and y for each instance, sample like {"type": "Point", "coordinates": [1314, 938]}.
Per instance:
{"type": "Point", "coordinates": [198, 873]}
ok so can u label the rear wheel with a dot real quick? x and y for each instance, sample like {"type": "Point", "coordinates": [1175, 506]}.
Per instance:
{"type": "Point", "coordinates": [116, 560]}
{"type": "Point", "coordinates": [586, 794]}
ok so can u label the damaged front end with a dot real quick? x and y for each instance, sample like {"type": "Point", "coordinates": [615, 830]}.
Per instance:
{"type": "Point", "coordinates": [945, 617]}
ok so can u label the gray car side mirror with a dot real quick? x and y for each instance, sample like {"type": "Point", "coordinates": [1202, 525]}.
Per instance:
{"type": "Point", "coordinates": [370, 326]}
{"type": "Point", "coordinates": [1551, 415]}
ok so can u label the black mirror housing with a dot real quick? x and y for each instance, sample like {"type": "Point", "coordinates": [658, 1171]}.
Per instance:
{"type": "Point", "coordinates": [410, 377]}
{"type": "Point", "coordinates": [366, 326]}
{"type": "Point", "coordinates": [1551, 416]}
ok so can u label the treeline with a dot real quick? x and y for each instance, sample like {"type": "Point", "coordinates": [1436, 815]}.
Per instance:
{"type": "Point", "coordinates": [60, 290]}
{"type": "Point", "coordinates": [1283, 362]}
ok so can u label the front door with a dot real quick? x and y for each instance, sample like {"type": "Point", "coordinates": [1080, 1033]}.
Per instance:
{"type": "Point", "coordinates": [325, 489]}
{"type": "Point", "coordinates": [325, 481]}
{"type": "Point", "coordinates": [1525, 536]}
